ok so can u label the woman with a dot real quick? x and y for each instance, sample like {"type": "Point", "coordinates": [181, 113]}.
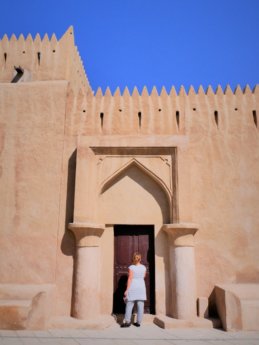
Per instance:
{"type": "Point", "coordinates": [136, 291]}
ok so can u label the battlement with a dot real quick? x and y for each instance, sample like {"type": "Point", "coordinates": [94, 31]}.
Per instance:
{"type": "Point", "coordinates": [42, 59]}
{"type": "Point", "coordinates": [168, 113]}
{"type": "Point", "coordinates": [123, 112]}
{"type": "Point", "coordinates": [191, 91]}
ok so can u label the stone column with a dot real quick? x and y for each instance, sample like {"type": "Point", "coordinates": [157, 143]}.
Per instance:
{"type": "Point", "coordinates": [182, 263]}
{"type": "Point", "coordinates": [87, 272]}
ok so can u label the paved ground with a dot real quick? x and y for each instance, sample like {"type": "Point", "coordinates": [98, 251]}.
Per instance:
{"type": "Point", "coordinates": [145, 335]}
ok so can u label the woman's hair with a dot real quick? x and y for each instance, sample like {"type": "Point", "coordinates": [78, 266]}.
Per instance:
{"type": "Point", "coordinates": [136, 258]}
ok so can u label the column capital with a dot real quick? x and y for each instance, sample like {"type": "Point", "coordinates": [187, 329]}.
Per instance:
{"type": "Point", "coordinates": [87, 234]}
{"type": "Point", "coordinates": [181, 234]}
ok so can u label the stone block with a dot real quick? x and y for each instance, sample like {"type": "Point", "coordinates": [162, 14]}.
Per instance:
{"type": "Point", "coordinates": [238, 306]}
{"type": "Point", "coordinates": [25, 306]}
{"type": "Point", "coordinates": [167, 322]}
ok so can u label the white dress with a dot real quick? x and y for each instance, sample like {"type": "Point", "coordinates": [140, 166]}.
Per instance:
{"type": "Point", "coordinates": [137, 289]}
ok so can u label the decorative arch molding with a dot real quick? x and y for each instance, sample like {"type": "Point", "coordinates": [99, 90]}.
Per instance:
{"type": "Point", "coordinates": [107, 183]}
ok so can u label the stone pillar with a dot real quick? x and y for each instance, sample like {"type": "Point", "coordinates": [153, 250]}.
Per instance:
{"type": "Point", "coordinates": [182, 263]}
{"type": "Point", "coordinates": [87, 272]}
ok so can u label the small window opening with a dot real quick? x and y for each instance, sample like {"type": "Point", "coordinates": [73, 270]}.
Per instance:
{"type": "Point", "coordinates": [39, 56]}
{"type": "Point", "coordinates": [139, 119]}
{"type": "Point", "coordinates": [194, 109]}
{"type": "Point", "coordinates": [5, 57]}
{"type": "Point", "coordinates": [53, 51]}
{"type": "Point", "coordinates": [255, 117]}
{"type": "Point", "coordinates": [177, 115]}
{"type": "Point", "coordinates": [101, 117]}
{"type": "Point", "coordinates": [216, 117]}
{"type": "Point", "coordinates": [84, 111]}
{"type": "Point", "coordinates": [19, 74]}
{"type": "Point", "coordinates": [23, 52]}
{"type": "Point", "coordinates": [236, 109]}
{"type": "Point", "coordinates": [120, 110]}
{"type": "Point", "coordinates": [159, 109]}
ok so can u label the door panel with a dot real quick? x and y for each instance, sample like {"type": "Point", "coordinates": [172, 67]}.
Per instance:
{"type": "Point", "coordinates": [127, 240]}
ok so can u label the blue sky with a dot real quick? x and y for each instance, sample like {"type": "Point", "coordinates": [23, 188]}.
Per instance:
{"type": "Point", "coordinates": [150, 42]}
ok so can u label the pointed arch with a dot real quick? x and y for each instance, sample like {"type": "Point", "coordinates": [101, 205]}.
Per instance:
{"type": "Point", "coordinates": [134, 162]}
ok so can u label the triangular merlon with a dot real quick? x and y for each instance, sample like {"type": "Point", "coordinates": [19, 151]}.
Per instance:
{"type": "Point", "coordinates": [191, 92]}
{"type": "Point", "coordinates": [67, 36]}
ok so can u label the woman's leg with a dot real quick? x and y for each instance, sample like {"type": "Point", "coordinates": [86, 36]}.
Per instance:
{"type": "Point", "coordinates": [140, 313]}
{"type": "Point", "coordinates": [128, 313]}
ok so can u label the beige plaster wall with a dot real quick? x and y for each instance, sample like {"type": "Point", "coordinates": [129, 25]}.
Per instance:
{"type": "Point", "coordinates": [219, 187]}
{"type": "Point", "coordinates": [39, 123]}
{"type": "Point", "coordinates": [42, 58]}
{"type": "Point", "coordinates": [33, 188]}
{"type": "Point", "coordinates": [217, 180]}
{"type": "Point", "coordinates": [42, 123]}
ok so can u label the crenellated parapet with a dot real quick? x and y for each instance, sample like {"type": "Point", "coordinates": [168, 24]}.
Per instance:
{"type": "Point", "coordinates": [124, 112]}
{"type": "Point", "coordinates": [170, 112]}
{"type": "Point", "coordinates": [42, 59]}
{"type": "Point", "coordinates": [191, 91]}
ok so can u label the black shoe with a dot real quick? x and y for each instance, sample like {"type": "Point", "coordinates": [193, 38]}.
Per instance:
{"type": "Point", "coordinates": [136, 324]}
{"type": "Point", "coordinates": [125, 324]}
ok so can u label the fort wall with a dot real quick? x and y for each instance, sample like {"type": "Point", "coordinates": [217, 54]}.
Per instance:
{"type": "Point", "coordinates": [44, 58]}
{"type": "Point", "coordinates": [45, 117]}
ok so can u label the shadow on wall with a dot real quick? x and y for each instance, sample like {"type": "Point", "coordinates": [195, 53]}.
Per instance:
{"type": "Point", "coordinates": [68, 241]}
{"type": "Point", "coordinates": [213, 312]}
{"type": "Point", "coordinates": [68, 246]}
{"type": "Point", "coordinates": [118, 302]}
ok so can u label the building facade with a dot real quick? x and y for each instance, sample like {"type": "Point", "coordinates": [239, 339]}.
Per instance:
{"type": "Point", "coordinates": [87, 179]}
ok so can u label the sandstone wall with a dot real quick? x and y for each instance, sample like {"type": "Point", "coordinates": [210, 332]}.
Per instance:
{"type": "Point", "coordinates": [41, 121]}
{"type": "Point", "coordinates": [38, 161]}
{"type": "Point", "coordinates": [42, 58]}
{"type": "Point", "coordinates": [218, 181]}
{"type": "Point", "coordinates": [223, 162]}
{"type": "Point", "coordinates": [32, 145]}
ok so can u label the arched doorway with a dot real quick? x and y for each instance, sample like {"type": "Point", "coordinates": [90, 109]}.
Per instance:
{"type": "Point", "coordinates": [122, 185]}
{"type": "Point", "coordinates": [137, 204]}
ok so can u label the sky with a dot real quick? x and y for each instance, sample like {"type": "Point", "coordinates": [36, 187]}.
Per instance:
{"type": "Point", "coordinates": [150, 42]}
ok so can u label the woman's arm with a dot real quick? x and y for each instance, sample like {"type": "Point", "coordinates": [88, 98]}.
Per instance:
{"type": "Point", "coordinates": [130, 276]}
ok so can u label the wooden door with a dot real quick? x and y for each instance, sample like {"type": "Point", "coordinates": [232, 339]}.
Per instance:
{"type": "Point", "coordinates": [127, 240]}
